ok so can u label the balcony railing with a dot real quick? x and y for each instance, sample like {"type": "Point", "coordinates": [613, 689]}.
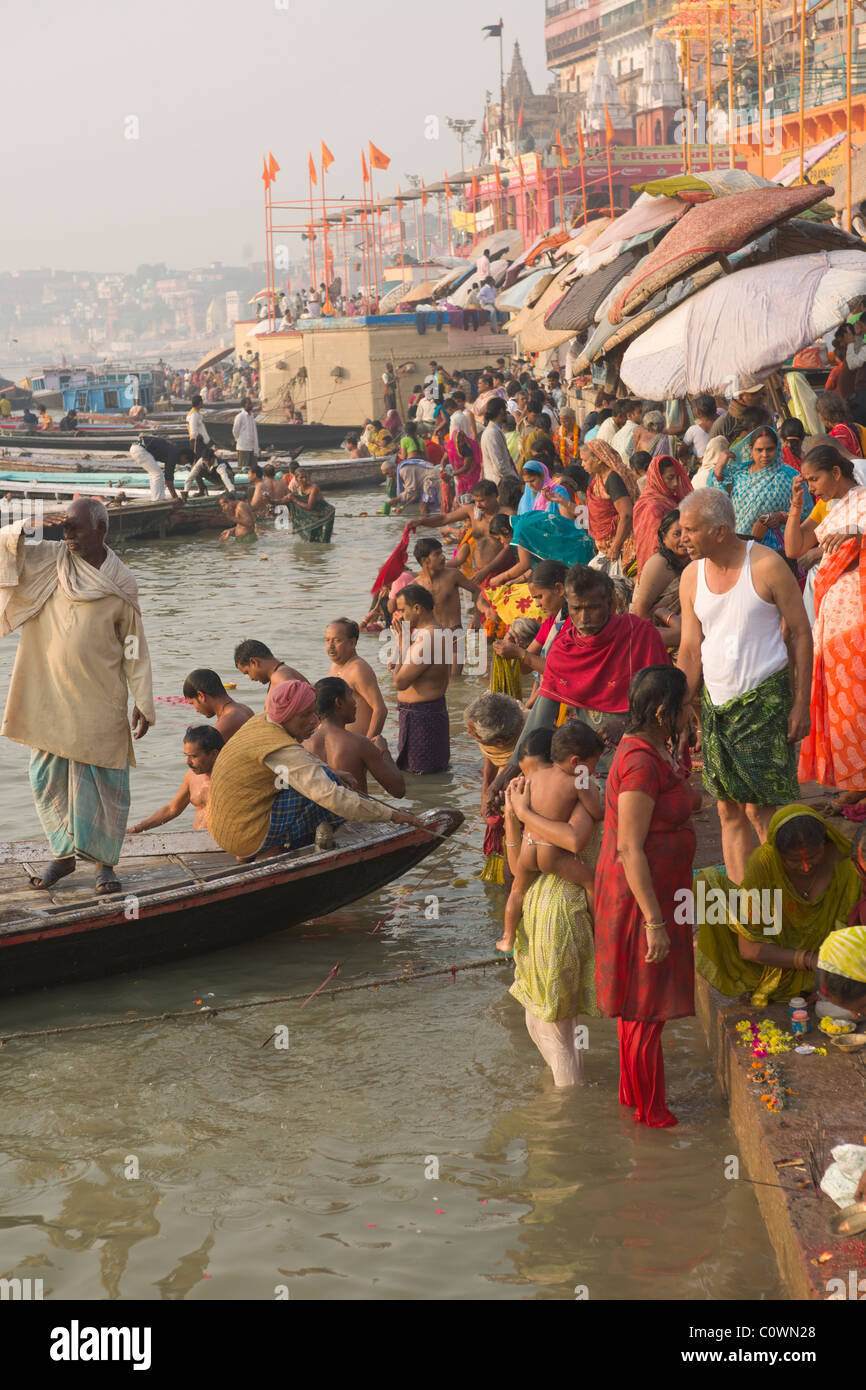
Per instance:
{"type": "Point", "coordinates": [824, 86]}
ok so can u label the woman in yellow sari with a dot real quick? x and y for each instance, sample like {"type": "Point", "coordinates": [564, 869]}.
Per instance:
{"type": "Point", "coordinates": [802, 884]}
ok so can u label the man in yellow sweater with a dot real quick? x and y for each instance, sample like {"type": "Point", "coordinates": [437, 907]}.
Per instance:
{"type": "Point", "coordinates": [269, 794]}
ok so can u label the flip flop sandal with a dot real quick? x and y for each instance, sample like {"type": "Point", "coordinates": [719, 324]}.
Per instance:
{"type": "Point", "coordinates": [106, 882]}
{"type": "Point", "coordinates": [56, 870]}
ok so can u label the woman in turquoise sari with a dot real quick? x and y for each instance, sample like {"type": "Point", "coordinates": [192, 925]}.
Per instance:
{"type": "Point", "coordinates": [759, 484]}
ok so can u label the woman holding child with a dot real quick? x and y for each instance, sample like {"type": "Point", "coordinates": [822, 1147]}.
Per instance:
{"type": "Point", "coordinates": [552, 836]}
{"type": "Point", "coordinates": [644, 957]}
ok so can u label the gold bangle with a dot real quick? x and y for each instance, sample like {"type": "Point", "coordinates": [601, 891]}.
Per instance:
{"type": "Point", "coordinates": [654, 926]}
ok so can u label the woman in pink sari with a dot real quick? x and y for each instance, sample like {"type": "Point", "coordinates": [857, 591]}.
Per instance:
{"type": "Point", "coordinates": [464, 455]}
{"type": "Point", "coordinates": [667, 483]}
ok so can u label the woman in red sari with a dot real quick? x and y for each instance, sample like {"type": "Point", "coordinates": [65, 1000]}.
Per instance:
{"type": "Point", "coordinates": [610, 500]}
{"type": "Point", "coordinates": [838, 421]}
{"type": "Point", "coordinates": [644, 956]}
{"type": "Point", "coordinates": [667, 483]}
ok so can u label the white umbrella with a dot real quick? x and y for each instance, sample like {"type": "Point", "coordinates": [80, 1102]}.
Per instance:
{"type": "Point", "coordinates": [737, 331]}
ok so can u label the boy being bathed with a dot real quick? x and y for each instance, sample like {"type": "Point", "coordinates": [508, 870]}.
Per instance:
{"type": "Point", "coordinates": [562, 791]}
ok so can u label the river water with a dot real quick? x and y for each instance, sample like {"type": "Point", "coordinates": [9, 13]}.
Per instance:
{"type": "Point", "coordinates": [408, 1143]}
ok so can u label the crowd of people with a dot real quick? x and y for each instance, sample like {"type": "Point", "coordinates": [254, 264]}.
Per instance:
{"type": "Point", "coordinates": [682, 586]}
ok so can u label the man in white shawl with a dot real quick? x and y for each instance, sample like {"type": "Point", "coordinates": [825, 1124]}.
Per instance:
{"type": "Point", "coordinates": [81, 645]}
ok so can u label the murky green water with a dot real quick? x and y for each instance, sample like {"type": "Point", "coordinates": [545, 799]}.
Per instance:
{"type": "Point", "coordinates": [408, 1143]}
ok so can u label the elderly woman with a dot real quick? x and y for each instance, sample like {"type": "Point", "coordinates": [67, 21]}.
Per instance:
{"type": "Point", "coordinates": [764, 940]}
{"type": "Point", "coordinates": [495, 722]}
{"type": "Point", "coordinates": [610, 500]}
{"type": "Point", "coordinates": [650, 435]}
{"type": "Point", "coordinates": [644, 961]}
{"type": "Point", "coordinates": [760, 487]}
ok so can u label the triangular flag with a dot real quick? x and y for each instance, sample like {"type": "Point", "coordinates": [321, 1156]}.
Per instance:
{"type": "Point", "coordinates": [266, 178]}
{"type": "Point", "coordinates": [423, 195]}
{"type": "Point", "coordinates": [378, 160]}
{"type": "Point", "coordinates": [364, 174]}
{"type": "Point", "coordinates": [580, 144]}
{"type": "Point", "coordinates": [273, 166]}
{"type": "Point", "coordinates": [520, 120]}
{"type": "Point", "coordinates": [327, 158]}
{"type": "Point", "coordinates": [496, 176]}
{"type": "Point", "coordinates": [520, 167]}
{"type": "Point", "coordinates": [474, 186]}
{"type": "Point", "coordinates": [608, 128]}
{"type": "Point", "coordinates": [563, 158]}
{"type": "Point", "coordinates": [312, 170]}
{"type": "Point", "coordinates": [399, 200]}
{"type": "Point", "coordinates": [538, 170]}
{"type": "Point", "coordinates": [447, 189]}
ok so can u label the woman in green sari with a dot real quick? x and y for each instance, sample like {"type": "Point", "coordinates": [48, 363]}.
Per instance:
{"type": "Point", "coordinates": [749, 946]}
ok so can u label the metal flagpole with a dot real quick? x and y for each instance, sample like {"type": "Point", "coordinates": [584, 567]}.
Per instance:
{"type": "Point", "coordinates": [849, 45]}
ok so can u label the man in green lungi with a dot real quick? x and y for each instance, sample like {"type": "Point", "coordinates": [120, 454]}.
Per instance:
{"type": "Point", "coordinates": [745, 626]}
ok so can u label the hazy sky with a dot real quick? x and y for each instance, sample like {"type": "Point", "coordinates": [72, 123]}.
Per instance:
{"type": "Point", "coordinates": [212, 85]}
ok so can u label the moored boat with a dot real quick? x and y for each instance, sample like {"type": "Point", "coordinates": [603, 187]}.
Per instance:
{"type": "Point", "coordinates": [183, 896]}
{"type": "Point", "coordinates": [62, 477]}
{"type": "Point", "coordinates": [281, 436]}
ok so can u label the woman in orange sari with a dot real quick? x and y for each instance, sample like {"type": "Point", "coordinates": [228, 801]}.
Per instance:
{"type": "Point", "coordinates": [610, 500]}
{"type": "Point", "coordinates": [667, 483]}
{"type": "Point", "coordinates": [834, 753]}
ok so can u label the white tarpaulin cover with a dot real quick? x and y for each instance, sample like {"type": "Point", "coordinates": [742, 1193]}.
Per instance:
{"type": "Point", "coordinates": [736, 332]}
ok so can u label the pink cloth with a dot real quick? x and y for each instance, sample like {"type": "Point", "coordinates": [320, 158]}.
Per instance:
{"type": "Point", "coordinates": [400, 583]}
{"type": "Point", "coordinates": [289, 698]}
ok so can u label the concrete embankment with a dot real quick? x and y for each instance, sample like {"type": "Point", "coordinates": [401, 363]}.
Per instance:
{"type": "Point", "coordinates": [824, 1104]}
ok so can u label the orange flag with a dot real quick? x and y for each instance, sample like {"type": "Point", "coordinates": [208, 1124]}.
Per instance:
{"type": "Point", "coordinates": [423, 195]}
{"type": "Point", "coordinates": [520, 167]}
{"type": "Point", "coordinates": [273, 167]}
{"type": "Point", "coordinates": [312, 169]}
{"type": "Point", "coordinates": [364, 174]}
{"type": "Point", "coordinates": [447, 189]}
{"type": "Point", "coordinates": [327, 158]}
{"type": "Point", "coordinates": [496, 176]}
{"type": "Point", "coordinates": [399, 200]}
{"type": "Point", "coordinates": [378, 160]}
{"type": "Point", "coordinates": [266, 178]}
{"type": "Point", "coordinates": [563, 157]}
{"type": "Point", "coordinates": [580, 144]}
{"type": "Point", "coordinates": [474, 187]}
{"type": "Point", "coordinates": [608, 128]}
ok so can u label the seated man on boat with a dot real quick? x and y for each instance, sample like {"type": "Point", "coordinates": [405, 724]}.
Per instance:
{"type": "Point", "coordinates": [201, 746]}
{"type": "Point", "coordinates": [82, 646]}
{"type": "Point", "coordinates": [349, 752]}
{"type": "Point", "coordinates": [209, 698]}
{"type": "Point", "coordinates": [256, 661]}
{"type": "Point", "coordinates": [239, 512]}
{"type": "Point", "coordinates": [213, 469]}
{"type": "Point", "coordinates": [268, 793]}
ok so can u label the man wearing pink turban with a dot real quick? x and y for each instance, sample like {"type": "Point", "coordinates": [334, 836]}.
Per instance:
{"type": "Point", "coordinates": [271, 794]}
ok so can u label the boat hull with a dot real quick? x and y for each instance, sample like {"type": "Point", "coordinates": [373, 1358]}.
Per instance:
{"type": "Point", "coordinates": [207, 913]}
{"type": "Point", "coordinates": [281, 436]}
{"type": "Point", "coordinates": [96, 441]}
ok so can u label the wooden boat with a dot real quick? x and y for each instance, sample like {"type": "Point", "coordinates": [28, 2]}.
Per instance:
{"type": "Point", "coordinates": [95, 474]}
{"type": "Point", "coordinates": [131, 517]}
{"type": "Point", "coordinates": [182, 896]}
{"type": "Point", "coordinates": [102, 441]}
{"type": "Point", "coordinates": [281, 436]}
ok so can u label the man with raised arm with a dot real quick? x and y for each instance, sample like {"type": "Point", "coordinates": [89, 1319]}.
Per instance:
{"type": "Point", "coordinates": [82, 648]}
